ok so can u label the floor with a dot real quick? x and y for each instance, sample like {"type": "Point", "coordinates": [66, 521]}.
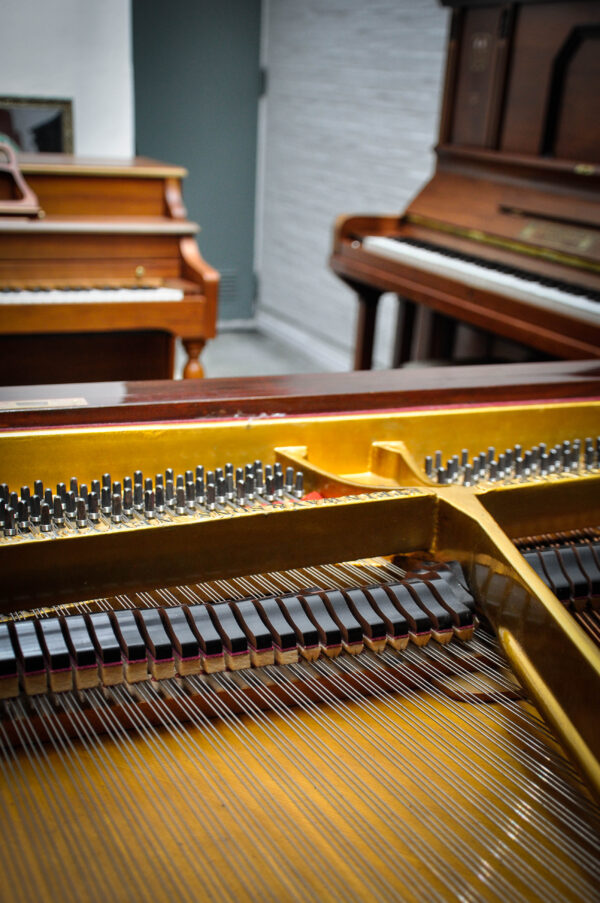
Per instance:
{"type": "Point", "coordinates": [251, 353]}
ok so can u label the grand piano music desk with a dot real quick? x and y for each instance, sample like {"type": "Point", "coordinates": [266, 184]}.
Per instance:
{"type": "Point", "coordinates": [340, 671]}
{"type": "Point", "coordinates": [100, 271]}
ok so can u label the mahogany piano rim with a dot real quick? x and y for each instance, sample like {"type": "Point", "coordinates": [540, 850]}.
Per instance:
{"type": "Point", "coordinates": [86, 404]}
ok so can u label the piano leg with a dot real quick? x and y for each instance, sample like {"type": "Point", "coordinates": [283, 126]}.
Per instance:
{"type": "Point", "coordinates": [193, 369]}
{"type": "Point", "coordinates": [368, 299]}
{"type": "Point", "coordinates": [404, 331]}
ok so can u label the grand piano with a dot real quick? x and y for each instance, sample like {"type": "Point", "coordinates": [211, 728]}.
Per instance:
{"type": "Point", "coordinates": [100, 271]}
{"type": "Point", "coordinates": [506, 235]}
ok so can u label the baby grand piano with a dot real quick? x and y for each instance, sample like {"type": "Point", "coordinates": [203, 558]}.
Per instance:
{"type": "Point", "coordinates": [506, 235]}
{"type": "Point", "coordinates": [99, 271]}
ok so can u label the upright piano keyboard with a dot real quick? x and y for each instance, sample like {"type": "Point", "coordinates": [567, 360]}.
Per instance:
{"type": "Point", "coordinates": [308, 652]}
{"type": "Point", "coordinates": [101, 275]}
{"type": "Point", "coordinates": [506, 235]}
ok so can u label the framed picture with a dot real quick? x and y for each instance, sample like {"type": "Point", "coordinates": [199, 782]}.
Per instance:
{"type": "Point", "coordinates": [37, 125]}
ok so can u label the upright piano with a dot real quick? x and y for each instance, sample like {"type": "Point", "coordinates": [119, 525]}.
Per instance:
{"type": "Point", "coordinates": [302, 637]}
{"type": "Point", "coordinates": [506, 235]}
{"type": "Point", "coordinates": [100, 271]}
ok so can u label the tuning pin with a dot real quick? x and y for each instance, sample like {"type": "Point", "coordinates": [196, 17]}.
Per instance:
{"type": "Point", "coordinates": [289, 479]}
{"type": "Point", "coordinates": [249, 486]}
{"type": "Point", "coordinates": [211, 496]}
{"type": "Point", "coordinates": [467, 475]}
{"type": "Point", "coordinates": [442, 476]}
{"type": "Point", "coordinates": [180, 506]}
{"type": "Point", "coordinates": [83, 491]}
{"type": "Point", "coordinates": [81, 513]}
{"type": "Point", "coordinates": [10, 522]}
{"type": "Point", "coordinates": [4, 491]}
{"type": "Point", "coordinates": [259, 484]}
{"type": "Point", "coordinates": [106, 480]}
{"type": "Point", "coordinates": [70, 505]}
{"type": "Point", "coordinates": [93, 513]}
{"type": "Point", "coordinates": [45, 518]}
{"type": "Point", "coordinates": [200, 472]}
{"type": "Point", "coordinates": [105, 501]}
{"type": "Point", "coordinates": [34, 509]}
{"type": "Point", "coordinates": [58, 511]}
{"type": "Point", "coordinates": [169, 493]}
{"type": "Point", "coordinates": [159, 480]}
{"type": "Point", "coordinates": [138, 477]}
{"type": "Point", "coordinates": [128, 508]}
{"type": "Point", "coordinates": [95, 487]}
{"type": "Point", "coordinates": [61, 490]}
{"type": "Point", "coordinates": [299, 485]}
{"type": "Point", "coordinates": [270, 487]}
{"type": "Point", "coordinates": [239, 475]}
{"type": "Point", "coordinates": [159, 498]}
{"type": "Point", "coordinates": [190, 493]}
{"type": "Point", "coordinates": [278, 481]}
{"type": "Point", "coordinates": [23, 515]}
{"type": "Point", "coordinates": [74, 486]}
{"type": "Point", "coordinates": [239, 492]}
{"type": "Point", "coordinates": [149, 511]}
{"type": "Point", "coordinates": [429, 466]}
{"type": "Point", "coordinates": [116, 514]}
{"type": "Point", "coordinates": [229, 471]}
{"type": "Point", "coordinates": [199, 489]}
{"type": "Point", "coordinates": [138, 497]}
{"type": "Point", "coordinates": [221, 490]}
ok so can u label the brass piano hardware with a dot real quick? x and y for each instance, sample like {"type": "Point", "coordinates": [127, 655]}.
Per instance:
{"type": "Point", "coordinates": [584, 169]}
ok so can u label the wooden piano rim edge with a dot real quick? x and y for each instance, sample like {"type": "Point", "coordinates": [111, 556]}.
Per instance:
{"type": "Point", "coordinates": [117, 168]}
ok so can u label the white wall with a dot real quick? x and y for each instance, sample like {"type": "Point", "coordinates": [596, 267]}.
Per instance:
{"type": "Point", "coordinates": [79, 49]}
{"type": "Point", "coordinates": [349, 119]}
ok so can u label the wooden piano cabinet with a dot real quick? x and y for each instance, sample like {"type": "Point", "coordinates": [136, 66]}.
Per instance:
{"type": "Point", "coordinates": [102, 225]}
{"type": "Point", "coordinates": [516, 188]}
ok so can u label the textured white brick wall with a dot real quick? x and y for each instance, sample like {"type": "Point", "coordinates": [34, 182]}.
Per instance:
{"type": "Point", "coordinates": [350, 116]}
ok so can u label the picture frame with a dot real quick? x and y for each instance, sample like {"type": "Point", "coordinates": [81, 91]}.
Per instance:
{"type": "Point", "coordinates": [37, 124]}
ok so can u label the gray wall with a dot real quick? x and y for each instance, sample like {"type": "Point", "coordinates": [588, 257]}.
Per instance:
{"type": "Point", "coordinates": [196, 95]}
{"type": "Point", "coordinates": [349, 119]}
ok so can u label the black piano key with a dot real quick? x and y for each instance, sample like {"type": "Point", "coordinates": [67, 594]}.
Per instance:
{"type": "Point", "coordinates": [103, 637]}
{"type": "Point", "coordinates": [580, 586]}
{"type": "Point", "coordinates": [234, 638]}
{"type": "Point", "coordinates": [153, 630]}
{"type": "Point", "coordinates": [129, 636]}
{"type": "Point", "coordinates": [8, 657]}
{"type": "Point", "coordinates": [58, 657]}
{"type": "Point", "coordinates": [341, 613]}
{"type": "Point", "coordinates": [371, 621]}
{"type": "Point", "coordinates": [329, 632]}
{"type": "Point", "coordinates": [283, 635]}
{"type": "Point", "coordinates": [418, 620]}
{"type": "Point", "coordinates": [441, 619]}
{"type": "Point", "coordinates": [589, 566]}
{"type": "Point", "coordinates": [184, 642]}
{"type": "Point", "coordinates": [305, 630]}
{"type": "Point", "coordinates": [211, 643]}
{"type": "Point", "coordinates": [556, 578]}
{"type": "Point", "coordinates": [28, 648]}
{"type": "Point", "coordinates": [443, 592]}
{"type": "Point", "coordinates": [249, 619]}
{"type": "Point", "coordinates": [79, 641]}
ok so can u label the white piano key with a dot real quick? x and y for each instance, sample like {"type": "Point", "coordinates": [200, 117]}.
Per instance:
{"type": "Point", "coordinates": [93, 296]}
{"type": "Point", "coordinates": [482, 277]}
